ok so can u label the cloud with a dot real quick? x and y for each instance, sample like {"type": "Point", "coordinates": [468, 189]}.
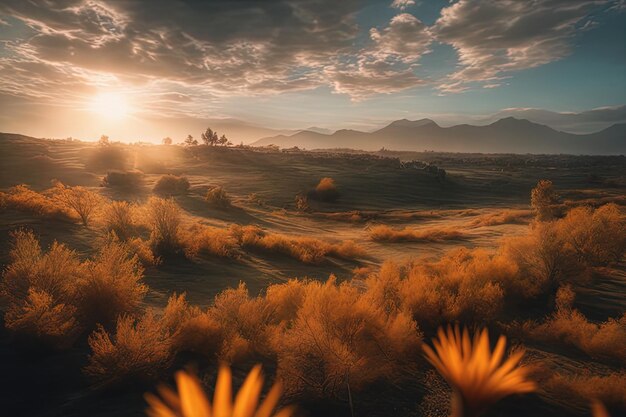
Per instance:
{"type": "Point", "coordinates": [402, 4]}
{"type": "Point", "coordinates": [496, 37]}
{"type": "Point", "coordinates": [406, 38]}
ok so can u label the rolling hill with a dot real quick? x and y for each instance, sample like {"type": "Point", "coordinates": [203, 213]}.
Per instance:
{"type": "Point", "coordinates": [507, 135]}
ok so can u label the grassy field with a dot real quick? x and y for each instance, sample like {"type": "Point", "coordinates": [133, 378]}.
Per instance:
{"type": "Point", "coordinates": [271, 222]}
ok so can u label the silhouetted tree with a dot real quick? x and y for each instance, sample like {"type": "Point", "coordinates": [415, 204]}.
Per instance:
{"type": "Point", "coordinates": [543, 200]}
{"type": "Point", "coordinates": [210, 138]}
{"type": "Point", "coordinates": [167, 141]}
{"type": "Point", "coordinates": [104, 140]}
{"type": "Point", "coordinates": [190, 141]}
{"type": "Point", "coordinates": [224, 141]}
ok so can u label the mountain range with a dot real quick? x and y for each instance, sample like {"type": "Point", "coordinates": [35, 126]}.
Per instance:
{"type": "Point", "coordinates": [506, 135]}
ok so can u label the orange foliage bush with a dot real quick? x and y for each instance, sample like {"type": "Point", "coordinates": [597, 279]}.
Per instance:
{"type": "Point", "coordinates": [597, 236]}
{"type": "Point", "coordinates": [53, 296]}
{"type": "Point", "coordinates": [210, 240]}
{"type": "Point", "coordinates": [339, 342]}
{"type": "Point", "coordinates": [24, 199]}
{"type": "Point", "coordinates": [582, 389]}
{"type": "Point", "coordinates": [383, 233]}
{"type": "Point", "coordinates": [110, 285]}
{"type": "Point", "coordinates": [77, 199]}
{"type": "Point", "coordinates": [606, 341]}
{"type": "Point", "coordinates": [120, 217]}
{"type": "Point", "coordinates": [325, 190]}
{"type": "Point", "coordinates": [140, 349]}
{"type": "Point", "coordinates": [164, 218]}
{"type": "Point", "coordinates": [305, 249]}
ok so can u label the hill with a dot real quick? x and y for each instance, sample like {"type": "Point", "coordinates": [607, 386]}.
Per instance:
{"type": "Point", "coordinates": [507, 135]}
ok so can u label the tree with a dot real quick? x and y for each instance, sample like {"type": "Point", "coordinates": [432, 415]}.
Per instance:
{"type": "Point", "coordinates": [543, 200]}
{"type": "Point", "coordinates": [190, 141]}
{"type": "Point", "coordinates": [167, 141]}
{"type": "Point", "coordinates": [223, 140]}
{"type": "Point", "coordinates": [210, 138]}
{"type": "Point", "coordinates": [104, 140]}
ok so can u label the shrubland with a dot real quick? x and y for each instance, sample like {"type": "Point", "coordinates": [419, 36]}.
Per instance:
{"type": "Point", "coordinates": [217, 197]}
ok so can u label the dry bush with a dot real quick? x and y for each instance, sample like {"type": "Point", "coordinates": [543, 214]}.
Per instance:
{"type": "Point", "coordinates": [210, 240]}
{"type": "Point", "coordinates": [24, 199]}
{"type": "Point", "coordinates": [53, 273]}
{"type": "Point", "coordinates": [169, 185]}
{"type": "Point", "coordinates": [164, 218]}
{"type": "Point", "coordinates": [42, 320]}
{"type": "Point", "coordinates": [325, 190]}
{"type": "Point", "coordinates": [302, 203]}
{"type": "Point", "coordinates": [544, 260]}
{"type": "Point", "coordinates": [110, 286]}
{"type": "Point", "coordinates": [140, 349]}
{"type": "Point", "coordinates": [120, 217]}
{"type": "Point", "coordinates": [606, 341]}
{"type": "Point", "coordinates": [284, 300]}
{"type": "Point", "coordinates": [108, 157]}
{"type": "Point", "coordinates": [383, 233]}
{"type": "Point", "coordinates": [339, 342]}
{"type": "Point", "coordinates": [544, 201]}
{"type": "Point", "coordinates": [142, 250]}
{"type": "Point", "coordinates": [245, 320]}
{"type": "Point", "coordinates": [218, 197]}
{"type": "Point", "coordinates": [304, 249]}
{"type": "Point", "coordinates": [582, 389]}
{"type": "Point", "coordinates": [192, 329]}
{"type": "Point", "coordinates": [464, 285]}
{"type": "Point", "coordinates": [79, 200]}
{"type": "Point", "coordinates": [52, 296]}
{"type": "Point", "coordinates": [598, 236]}
{"type": "Point", "coordinates": [502, 217]}
{"type": "Point", "coordinates": [123, 179]}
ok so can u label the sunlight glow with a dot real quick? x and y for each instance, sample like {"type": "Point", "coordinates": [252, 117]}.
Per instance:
{"type": "Point", "coordinates": [110, 105]}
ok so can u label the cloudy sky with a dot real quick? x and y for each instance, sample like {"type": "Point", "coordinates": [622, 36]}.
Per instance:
{"type": "Point", "coordinates": [145, 69]}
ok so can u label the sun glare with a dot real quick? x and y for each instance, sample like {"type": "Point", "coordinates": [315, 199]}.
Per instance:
{"type": "Point", "coordinates": [110, 105]}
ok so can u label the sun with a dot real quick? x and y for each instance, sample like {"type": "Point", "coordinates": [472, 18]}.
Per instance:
{"type": "Point", "coordinates": [110, 105]}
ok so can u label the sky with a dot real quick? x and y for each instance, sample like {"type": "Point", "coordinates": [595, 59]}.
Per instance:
{"type": "Point", "coordinates": [146, 69]}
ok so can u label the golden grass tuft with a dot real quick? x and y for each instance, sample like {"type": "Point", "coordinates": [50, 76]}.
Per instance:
{"type": "Point", "coordinates": [201, 239]}
{"type": "Point", "coordinates": [325, 190]}
{"type": "Point", "coordinates": [79, 200]}
{"type": "Point", "coordinates": [164, 218]}
{"type": "Point", "coordinates": [384, 233]}
{"type": "Point", "coordinates": [585, 388]}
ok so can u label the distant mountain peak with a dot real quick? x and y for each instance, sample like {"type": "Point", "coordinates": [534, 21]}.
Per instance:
{"type": "Point", "coordinates": [409, 124]}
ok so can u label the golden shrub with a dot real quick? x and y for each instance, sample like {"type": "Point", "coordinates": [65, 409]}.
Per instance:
{"type": "Point", "coordinates": [338, 342]}
{"type": "Point", "coordinates": [171, 185]}
{"type": "Point", "coordinates": [139, 349]}
{"type": "Point", "coordinates": [110, 286]}
{"type": "Point", "coordinates": [164, 218]}
{"type": "Point", "coordinates": [79, 200]}
{"type": "Point", "coordinates": [24, 199]}
{"type": "Point", "coordinates": [120, 217]}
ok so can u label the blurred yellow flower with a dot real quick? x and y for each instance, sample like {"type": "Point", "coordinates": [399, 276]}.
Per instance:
{"type": "Point", "coordinates": [191, 400]}
{"type": "Point", "coordinates": [479, 377]}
